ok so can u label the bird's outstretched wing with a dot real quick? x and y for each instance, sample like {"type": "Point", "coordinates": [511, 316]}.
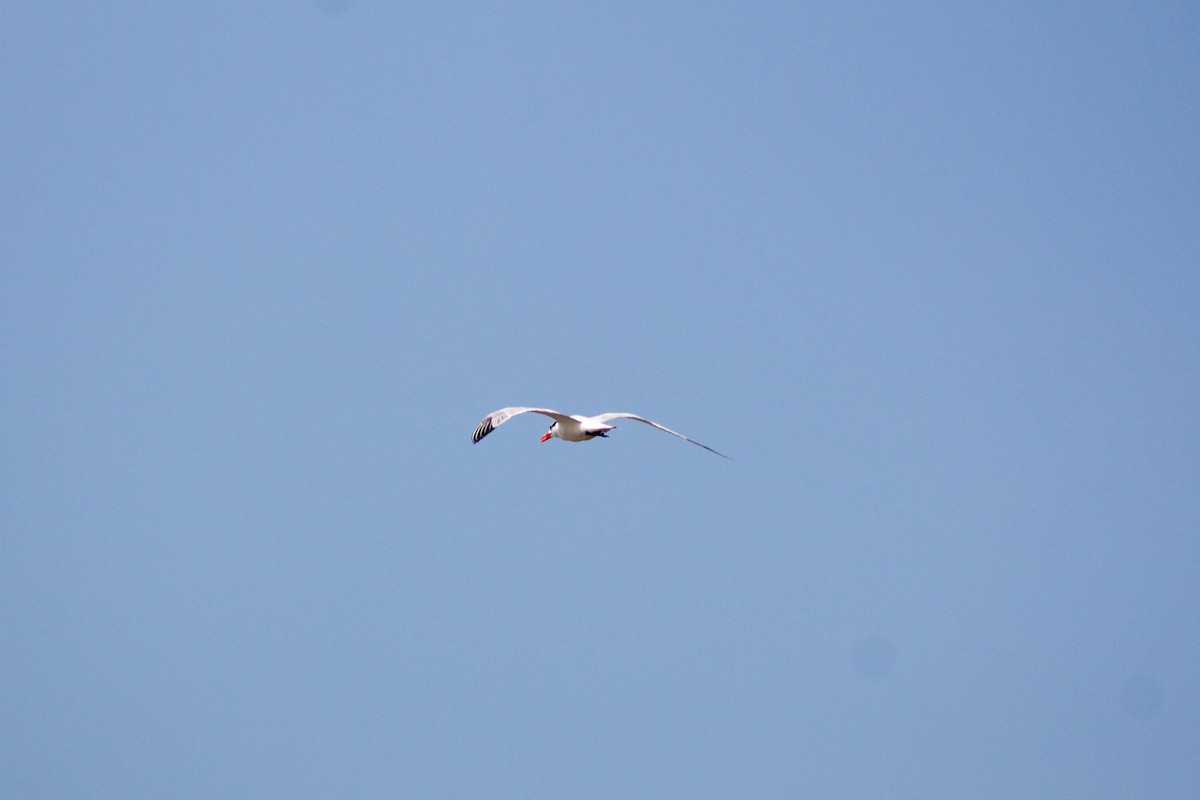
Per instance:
{"type": "Point", "coordinates": [636, 418]}
{"type": "Point", "coordinates": [498, 418]}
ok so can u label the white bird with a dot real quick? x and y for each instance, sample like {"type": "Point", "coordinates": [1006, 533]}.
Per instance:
{"type": "Point", "coordinates": [572, 427]}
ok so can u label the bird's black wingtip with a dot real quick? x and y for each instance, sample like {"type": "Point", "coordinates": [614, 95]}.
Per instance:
{"type": "Point", "coordinates": [483, 430]}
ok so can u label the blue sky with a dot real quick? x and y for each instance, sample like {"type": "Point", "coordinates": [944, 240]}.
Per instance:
{"type": "Point", "coordinates": [927, 271]}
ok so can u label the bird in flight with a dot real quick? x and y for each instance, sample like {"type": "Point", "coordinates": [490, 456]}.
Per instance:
{"type": "Point", "coordinates": [572, 427]}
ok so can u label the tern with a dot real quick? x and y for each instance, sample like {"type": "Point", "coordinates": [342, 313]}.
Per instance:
{"type": "Point", "coordinates": [572, 427]}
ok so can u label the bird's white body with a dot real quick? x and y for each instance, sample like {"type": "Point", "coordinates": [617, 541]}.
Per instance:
{"type": "Point", "coordinates": [572, 427]}
{"type": "Point", "coordinates": [578, 428]}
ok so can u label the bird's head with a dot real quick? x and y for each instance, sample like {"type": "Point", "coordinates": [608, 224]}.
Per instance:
{"type": "Point", "coordinates": [550, 433]}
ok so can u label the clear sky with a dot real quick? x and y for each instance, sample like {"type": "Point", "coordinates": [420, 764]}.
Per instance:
{"type": "Point", "coordinates": [929, 272]}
